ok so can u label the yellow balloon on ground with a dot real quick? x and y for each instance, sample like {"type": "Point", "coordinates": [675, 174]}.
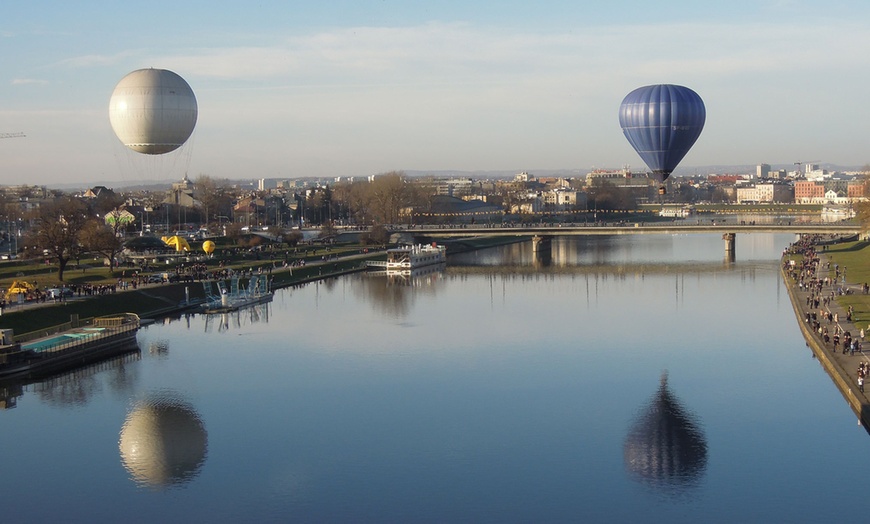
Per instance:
{"type": "Point", "coordinates": [208, 246]}
{"type": "Point", "coordinates": [178, 243]}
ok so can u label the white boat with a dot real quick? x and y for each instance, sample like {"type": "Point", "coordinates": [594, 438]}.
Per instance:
{"type": "Point", "coordinates": [836, 213]}
{"type": "Point", "coordinates": [677, 211]}
{"type": "Point", "coordinates": [416, 256]}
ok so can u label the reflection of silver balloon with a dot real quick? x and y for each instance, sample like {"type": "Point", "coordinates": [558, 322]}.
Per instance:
{"type": "Point", "coordinates": [665, 448]}
{"type": "Point", "coordinates": [159, 347]}
{"type": "Point", "coordinates": [163, 442]}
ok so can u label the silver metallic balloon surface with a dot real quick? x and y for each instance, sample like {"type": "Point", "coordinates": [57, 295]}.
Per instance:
{"type": "Point", "coordinates": [153, 111]}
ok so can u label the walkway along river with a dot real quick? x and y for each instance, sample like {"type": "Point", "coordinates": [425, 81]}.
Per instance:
{"type": "Point", "coordinates": [841, 365]}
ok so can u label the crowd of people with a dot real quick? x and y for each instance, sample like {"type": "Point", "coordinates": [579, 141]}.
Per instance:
{"type": "Point", "coordinates": [822, 289]}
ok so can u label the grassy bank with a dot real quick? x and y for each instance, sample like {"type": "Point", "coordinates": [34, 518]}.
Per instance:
{"type": "Point", "coordinates": [156, 300]}
{"type": "Point", "coordinates": [161, 299]}
{"type": "Point", "coordinates": [854, 257]}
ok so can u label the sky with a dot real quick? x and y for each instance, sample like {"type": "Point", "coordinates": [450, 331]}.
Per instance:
{"type": "Point", "coordinates": [290, 89]}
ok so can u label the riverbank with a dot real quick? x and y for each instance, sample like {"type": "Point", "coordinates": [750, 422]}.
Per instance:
{"type": "Point", "coordinates": [153, 301]}
{"type": "Point", "coordinates": [833, 316]}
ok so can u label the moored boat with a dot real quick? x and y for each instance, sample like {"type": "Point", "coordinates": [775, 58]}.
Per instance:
{"type": "Point", "coordinates": [59, 351]}
{"type": "Point", "coordinates": [416, 256]}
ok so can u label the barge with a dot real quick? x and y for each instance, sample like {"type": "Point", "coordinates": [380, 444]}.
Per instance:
{"type": "Point", "coordinates": [101, 338]}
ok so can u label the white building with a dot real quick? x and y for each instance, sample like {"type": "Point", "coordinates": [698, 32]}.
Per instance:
{"type": "Point", "coordinates": [607, 174]}
{"type": "Point", "coordinates": [767, 193]}
{"type": "Point", "coordinates": [455, 187]}
{"type": "Point", "coordinates": [563, 199]}
{"type": "Point", "coordinates": [815, 173]}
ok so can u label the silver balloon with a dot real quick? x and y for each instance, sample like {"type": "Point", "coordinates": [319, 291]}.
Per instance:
{"type": "Point", "coordinates": [153, 111]}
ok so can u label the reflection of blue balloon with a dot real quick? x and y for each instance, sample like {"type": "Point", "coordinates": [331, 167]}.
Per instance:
{"type": "Point", "coordinates": [666, 448]}
{"type": "Point", "coordinates": [662, 123]}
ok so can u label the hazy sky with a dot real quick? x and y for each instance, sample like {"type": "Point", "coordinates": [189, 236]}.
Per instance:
{"type": "Point", "coordinates": [352, 88]}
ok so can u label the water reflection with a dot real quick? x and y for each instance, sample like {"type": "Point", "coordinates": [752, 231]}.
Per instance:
{"type": "Point", "coordinates": [419, 277]}
{"type": "Point", "coordinates": [665, 448]}
{"type": "Point", "coordinates": [695, 269]}
{"type": "Point", "coordinates": [9, 394]}
{"type": "Point", "coordinates": [544, 255]}
{"type": "Point", "coordinates": [397, 297]}
{"type": "Point", "coordinates": [79, 386]}
{"type": "Point", "coordinates": [163, 441]}
{"type": "Point", "coordinates": [159, 348]}
{"type": "Point", "coordinates": [243, 316]}
{"type": "Point", "coordinates": [677, 251]}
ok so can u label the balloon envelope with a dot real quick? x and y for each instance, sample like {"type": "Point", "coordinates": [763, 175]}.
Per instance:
{"type": "Point", "coordinates": [208, 247]}
{"type": "Point", "coordinates": [177, 243]}
{"type": "Point", "coordinates": [153, 111]}
{"type": "Point", "coordinates": [662, 122]}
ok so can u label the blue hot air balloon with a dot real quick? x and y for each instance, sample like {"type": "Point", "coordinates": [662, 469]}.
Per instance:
{"type": "Point", "coordinates": [662, 123]}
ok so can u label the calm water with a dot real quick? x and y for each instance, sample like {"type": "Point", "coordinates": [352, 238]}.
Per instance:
{"type": "Point", "coordinates": [620, 379]}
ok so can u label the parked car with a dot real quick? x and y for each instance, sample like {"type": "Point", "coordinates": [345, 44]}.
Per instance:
{"type": "Point", "coordinates": [156, 278]}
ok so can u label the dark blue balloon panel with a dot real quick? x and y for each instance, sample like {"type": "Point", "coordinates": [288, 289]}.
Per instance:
{"type": "Point", "coordinates": [662, 122]}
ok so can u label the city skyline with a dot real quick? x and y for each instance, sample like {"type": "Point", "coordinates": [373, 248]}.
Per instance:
{"type": "Point", "coordinates": [360, 88]}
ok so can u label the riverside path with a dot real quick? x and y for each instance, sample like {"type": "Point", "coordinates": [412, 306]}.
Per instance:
{"type": "Point", "coordinates": [840, 364]}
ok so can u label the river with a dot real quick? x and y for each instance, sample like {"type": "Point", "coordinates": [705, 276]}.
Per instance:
{"type": "Point", "coordinates": [643, 378]}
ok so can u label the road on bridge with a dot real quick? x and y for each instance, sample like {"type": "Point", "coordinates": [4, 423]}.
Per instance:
{"type": "Point", "coordinates": [634, 228]}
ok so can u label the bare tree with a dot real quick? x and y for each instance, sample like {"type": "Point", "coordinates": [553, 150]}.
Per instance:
{"type": "Point", "coordinates": [105, 202]}
{"type": "Point", "coordinates": [327, 230]}
{"type": "Point", "coordinates": [356, 200]}
{"type": "Point", "coordinates": [608, 197]}
{"type": "Point", "coordinates": [57, 233]}
{"type": "Point", "coordinates": [214, 196]}
{"type": "Point", "coordinates": [388, 193]}
{"type": "Point", "coordinates": [104, 237]}
{"type": "Point", "coordinates": [376, 235]}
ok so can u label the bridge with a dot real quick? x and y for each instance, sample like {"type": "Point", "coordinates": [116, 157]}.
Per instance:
{"type": "Point", "coordinates": [542, 234]}
{"type": "Point", "coordinates": [633, 228]}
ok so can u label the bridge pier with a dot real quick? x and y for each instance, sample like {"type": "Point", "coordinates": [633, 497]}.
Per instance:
{"type": "Point", "coordinates": [542, 249]}
{"type": "Point", "coordinates": [730, 243]}
{"type": "Point", "coordinates": [542, 243]}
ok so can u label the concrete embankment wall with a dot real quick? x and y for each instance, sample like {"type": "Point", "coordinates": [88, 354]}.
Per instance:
{"type": "Point", "coordinates": [842, 378]}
